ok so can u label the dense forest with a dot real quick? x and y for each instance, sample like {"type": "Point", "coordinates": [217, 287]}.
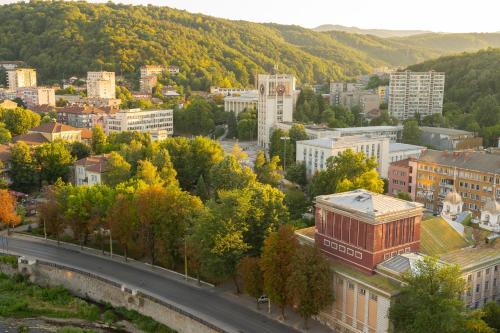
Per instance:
{"type": "Point", "coordinates": [61, 39]}
{"type": "Point", "coordinates": [472, 92]}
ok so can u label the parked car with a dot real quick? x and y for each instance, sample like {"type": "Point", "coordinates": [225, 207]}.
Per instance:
{"type": "Point", "coordinates": [263, 299]}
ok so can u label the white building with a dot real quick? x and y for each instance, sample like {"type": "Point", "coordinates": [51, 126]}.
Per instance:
{"type": "Point", "coordinates": [10, 65]}
{"type": "Point", "coordinates": [237, 103]}
{"type": "Point", "coordinates": [34, 96]}
{"type": "Point", "coordinates": [402, 151]}
{"type": "Point", "coordinates": [276, 103]}
{"type": "Point", "coordinates": [490, 216]}
{"type": "Point", "coordinates": [412, 93]}
{"type": "Point", "coordinates": [393, 132]}
{"type": "Point", "coordinates": [90, 170]}
{"type": "Point", "coordinates": [314, 153]}
{"type": "Point", "coordinates": [159, 123]}
{"type": "Point", "coordinates": [101, 85]}
{"type": "Point", "coordinates": [312, 131]}
{"type": "Point", "coordinates": [149, 70]}
{"type": "Point", "coordinates": [231, 91]}
{"type": "Point", "coordinates": [21, 77]}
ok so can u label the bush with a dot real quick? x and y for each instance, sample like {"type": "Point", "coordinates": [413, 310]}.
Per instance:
{"type": "Point", "coordinates": [144, 323]}
{"type": "Point", "coordinates": [9, 260]}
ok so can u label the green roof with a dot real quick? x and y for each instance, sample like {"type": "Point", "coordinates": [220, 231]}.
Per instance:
{"type": "Point", "coordinates": [472, 257]}
{"type": "Point", "coordinates": [438, 237]}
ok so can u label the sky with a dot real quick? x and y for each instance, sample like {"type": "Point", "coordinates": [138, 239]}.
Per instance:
{"type": "Point", "coordinates": [434, 15]}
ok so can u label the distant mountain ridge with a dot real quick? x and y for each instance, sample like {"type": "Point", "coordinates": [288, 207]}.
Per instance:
{"type": "Point", "coordinates": [382, 33]}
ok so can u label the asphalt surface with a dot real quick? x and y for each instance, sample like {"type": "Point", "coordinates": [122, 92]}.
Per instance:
{"type": "Point", "coordinates": [206, 303]}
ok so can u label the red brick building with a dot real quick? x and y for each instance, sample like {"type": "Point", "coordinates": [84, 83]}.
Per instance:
{"type": "Point", "coordinates": [402, 177]}
{"type": "Point", "coordinates": [363, 228]}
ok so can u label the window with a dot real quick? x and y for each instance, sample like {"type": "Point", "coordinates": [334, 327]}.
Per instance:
{"type": "Point", "coordinates": [342, 248]}
{"type": "Point", "coordinates": [358, 255]}
{"type": "Point", "coordinates": [362, 291]}
{"type": "Point", "coordinates": [479, 274]}
{"type": "Point", "coordinates": [487, 271]}
{"type": "Point", "coordinates": [477, 288]}
{"type": "Point", "coordinates": [326, 242]}
{"type": "Point", "coordinates": [373, 297]}
{"type": "Point", "coordinates": [350, 285]}
{"type": "Point", "coordinates": [486, 285]}
{"type": "Point", "coordinates": [334, 245]}
{"type": "Point", "coordinates": [350, 252]}
{"type": "Point", "coordinates": [469, 278]}
{"type": "Point", "coordinates": [340, 281]}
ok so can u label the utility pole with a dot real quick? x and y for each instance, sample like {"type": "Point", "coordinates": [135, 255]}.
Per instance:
{"type": "Point", "coordinates": [284, 138]}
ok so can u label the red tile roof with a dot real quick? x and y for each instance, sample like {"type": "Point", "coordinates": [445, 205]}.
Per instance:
{"type": "Point", "coordinates": [31, 139]}
{"type": "Point", "coordinates": [53, 127]}
{"type": "Point", "coordinates": [95, 163]}
{"type": "Point", "coordinates": [86, 134]}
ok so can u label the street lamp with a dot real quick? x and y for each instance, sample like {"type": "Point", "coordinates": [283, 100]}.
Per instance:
{"type": "Point", "coordinates": [284, 138]}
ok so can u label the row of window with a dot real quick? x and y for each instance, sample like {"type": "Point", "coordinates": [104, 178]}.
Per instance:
{"type": "Point", "coordinates": [343, 249]}
{"type": "Point", "coordinates": [361, 291]}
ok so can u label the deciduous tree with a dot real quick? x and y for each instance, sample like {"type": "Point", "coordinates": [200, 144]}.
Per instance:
{"type": "Point", "coordinates": [251, 275]}
{"type": "Point", "coordinates": [117, 169]}
{"type": "Point", "coordinates": [8, 215]}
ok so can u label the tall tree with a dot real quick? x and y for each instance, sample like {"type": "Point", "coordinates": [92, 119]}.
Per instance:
{"type": "Point", "coordinates": [122, 221]}
{"type": "Point", "coordinates": [54, 161]}
{"type": "Point", "coordinates": [166, 168]}
{"type": "Point", "coordinates": [147, 172]}
{"type": "Point", "coordinates": [411, 132]}
{"type": "Point", "coordinates": [117, 169]}
{"type": "Point", "coordinates": [277, 265]}
{"type": "Point", "coordinates": [229, 174]}
{"type": "Point", "coordinates": [251, 275]}
{"type": "Point", "coordinates": [311, 282]}
{"type": "Point", "coordinates": [51, 214]}
{"type": "Point", "coordinates": [429, 301]}
{"type": "Point", "coordinates": [23, 168]}
{"type": "Point", "coordinates": [98, 140]}
{"type": "Point", "coordinates": [268, 172]}
{"type": "Point", "coordinates": [8, 214]}
{"type": "Point", "coordinates": [5, 135]}
{"type": "Point", "coordinates": [19, 120]}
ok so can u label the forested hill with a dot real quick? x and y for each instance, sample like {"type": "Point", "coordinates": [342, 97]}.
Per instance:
{"type": "Point", "coordinates": [472, 91]}
{"type": "Point", "coordinates": [61, 39]}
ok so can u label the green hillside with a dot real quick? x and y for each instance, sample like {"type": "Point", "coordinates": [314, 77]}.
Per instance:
{"type": "Point", "coordinates": [472, 91]}
{"type": "Point", "coordinates": [452, 43]}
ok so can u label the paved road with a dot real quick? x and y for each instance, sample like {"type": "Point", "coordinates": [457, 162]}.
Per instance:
{"type": "Point", "coordinates": [204, 302]}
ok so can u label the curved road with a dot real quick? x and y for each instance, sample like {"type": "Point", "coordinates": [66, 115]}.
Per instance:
{"type": "Point", "coordinates": [204, 302]}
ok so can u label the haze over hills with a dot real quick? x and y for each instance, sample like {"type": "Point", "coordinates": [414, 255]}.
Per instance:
{"type": "Point", "coordinates": [383, 33]}
{"type": "Point", "coordinates": [61, 39]}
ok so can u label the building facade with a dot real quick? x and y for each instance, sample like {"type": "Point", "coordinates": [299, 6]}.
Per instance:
{"type": "Point", "coordinates": [402, 177]}
{"type": "Point", "coordinates": [90, 170]}
{"type": "Point", "coordinates": [314, 153]}
{"type": "Point", "coordinates": [394, 133]}
{"type": "Point", "coordinates": [159, 123]}
{"type": "Point", "coordinates": [35, 96]}
{"type": "Point", "coordinates": [152, 70]}
{"type": "Point", "coordinates": [412, 93]}
{"type": "Point", "coordinates": [83, 116]}
{"type": "Point", "coordinates": [403, 151]}
{"type": "Point", "coordinates": [275, 105]}
{"type": "Point", "coordinates": [147, 83]}
{"type": "Point", "coordinates": [101, 85]}
{"type": "Point", "coordinates": [237, 103]}
{"type": "Point", "coordinates": [21, 77]}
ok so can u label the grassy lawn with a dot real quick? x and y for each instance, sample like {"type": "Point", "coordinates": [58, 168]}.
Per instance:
{"type": "Point", "coordinates": [438, 237]}
{"type": "Point", "coordinates": [21, 299]}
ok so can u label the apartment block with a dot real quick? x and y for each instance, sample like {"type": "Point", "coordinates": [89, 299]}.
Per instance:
{"type": "Point", "coordinates": [101, 85]}
{"type": "Point", "coordinates": [21, 77]}
{"type": "Point", "coordinates": [412, 93]}
{"type": "Point", "coordinates": [147, 83]}
{"type": "Point", "coordinates": [152, 70]}
{"type": "Point", "coordinates": [275, 105]}
{"type": "Point", "coordinates": [83, 116]}
{"type": "Point", "coordinates": [159, 123]}
{"type": "Point", "coordinates": [35, 96]}
{"type": "Point", "coordinates": [402, 177]}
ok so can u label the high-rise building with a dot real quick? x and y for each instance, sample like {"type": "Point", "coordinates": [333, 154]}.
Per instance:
{"type": "Point", "coordinates": [275, 105]}
{"type": "Point", "coordinates": [21, 77]}
{"type": "Point", "coordinates": [101, 85]}
{"type": "Point", "coordinates": [159, 123]}
{"type": "Point", "coordinates": [34, 96]}
{"type": "Point", "coordinates": [412, 93]}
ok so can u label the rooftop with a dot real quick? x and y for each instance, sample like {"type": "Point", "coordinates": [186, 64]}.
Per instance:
{"type": "Point", "coordinates": [94, 163]}
{"type": "Point", "coordinates": [31, 139]}
{"type": "Point", "coordinates": [397, 147]}
{"type": "Point", "coordinates": [81, 110]}
{"type": "Point", "coordinates": [472, 160]}
{"type": "Point", "coordinates": [52, 127]}
{"type": "Point", "coordinates": [438, 237]}
{"type": "Point", "coordinates": [365, 129]}
{"type": "Point", "coordinates": [445, 131]}
{"type": "Point", "coordinates": [371, 205]}
{"type": "Point", "coordinates": [338, 142]}
{"type": "Point", "coordinates": [471, 257]}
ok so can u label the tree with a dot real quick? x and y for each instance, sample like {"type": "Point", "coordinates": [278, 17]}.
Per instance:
{"type": "Point", "coordinates": [54, 161]}
{"type": "Point", "coordinates": [492, 315]}
{"type": "Point", "coordinates": [277, 265]}
{"type": "Point", "coordinates": [268, 172]}
{"type": "Point", "coordinates": [297, 203]}
{"type": "Point", "coordinates": [79, 150]}
{"type": "Point", "coordinates": [8, 215]}
{"type": "Point", "coordinates": [486, 111]}
{"type": "Point", "coordinates": [147, 172]}
{"type": "Point", "coordinates": [232, 126]}
{"type": "Point", "coordinates": [238, 153]}
{"type": "Point", "coordinates": [384, 119]}
{"type": "Point", "coordinates": [202, 190]}
{"type": "Point", "coordinates": [23, 168]}
{"type": "Point", "coordinates": [123, 222]}
{"type": "Point", "coordinates": [411, 132]}
{"type": "Point", "coordinates": [310, 284]}
{"type": "Point", "coordinates": [117, 169]}
{"type": "Point", "coordinates": [166, 168]}
{"type": "Point", "coordinates": [5, 136]}
{"type": "Point", "coordinates": [297, 173]}
{"type": "Point", "coordinates": [51, 214]}
{"type": "Point", "coordinates": [346, 171]}
{"type": "Point", "coordinates": [19, 120]}
{"type": "Point", "coordinates": [474, 323]}
{"type": "Point", "coordinates": [429, 301]}
{"type": "Point", "coordinates": [251, 275]}
{"type": "Point", "coordinates": [229, 174]}
{"type": "Point", "coordinates": [98, 140]}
